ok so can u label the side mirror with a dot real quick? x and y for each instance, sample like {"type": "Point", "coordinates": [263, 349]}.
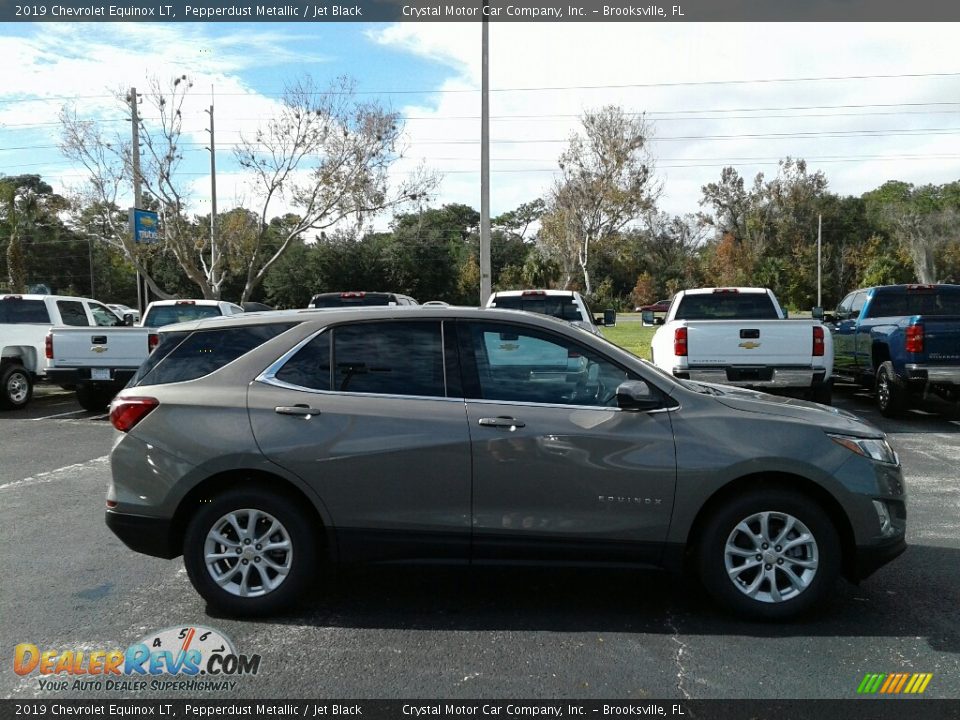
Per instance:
{"type": "Point", "coordinates": [636, 395]}
{"type": "Point", "coordinates": [786, 313]}
{"type": "Point", "coordinates": [610, 317]}
{"type": "Point", "coordinates": [646, 317]}
{"type": "Point", "coordinates": [817, 313]}
{"type": "Point", "coordinates": [598, 320]}
{"type": "Point", "coordinates": [128, 319]}
{"type": "Point", "coordinates": [659, 321]}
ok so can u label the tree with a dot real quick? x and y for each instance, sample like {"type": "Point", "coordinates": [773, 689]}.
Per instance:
{"type": "Point", "coordinates": [328, 156]}
{"type": "Point", "coordinates": [606, 183]}
{"type": "Point", "coordinates": [28, 216]}
{"type": "Point", "coordinates": [924, 220]}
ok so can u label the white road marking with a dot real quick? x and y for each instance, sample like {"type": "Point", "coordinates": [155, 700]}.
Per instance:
{"type": "Point", "coordinates": [63, 473]}
{"type": "Point", "coordinates": [50, 417]}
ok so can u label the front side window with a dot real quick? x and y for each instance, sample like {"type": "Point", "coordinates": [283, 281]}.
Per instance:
{"type": "Point", "coordinates": [72, 313]}
{"type": "Point", "coordinates": [104, 317]}
{"type": "Point", "coordinates": [516, 364]}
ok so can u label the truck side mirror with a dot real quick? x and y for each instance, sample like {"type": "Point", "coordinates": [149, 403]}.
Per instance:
{"type": "Point", "coordinates": [817, 313]}
{"type": "Point", "coordinates": [659, 320]}
{"type": "Point", "coordinates": [598, 320]}
{"type": "Point", "coordinates": [128, 319]}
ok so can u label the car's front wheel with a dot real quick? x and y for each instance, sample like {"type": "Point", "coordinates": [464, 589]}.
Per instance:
{"type": "Point", "coordinates": [770, 554]}
{"type": "Point", "coordinates": [250, 552]}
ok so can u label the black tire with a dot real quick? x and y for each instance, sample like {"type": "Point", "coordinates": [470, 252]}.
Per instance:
{"type": "Point", "coordinates": [822, 393]}
{"type": "Point", "coordinates": [302, 563]}
{"type": "Point", "coordinates": [16, 387]}
{"type": "Point", "coordinates": [93, 398]}
{"type": "Point", "coordinates": [722, 525]}
{"type": "Point", "coordinates": [890, 393]}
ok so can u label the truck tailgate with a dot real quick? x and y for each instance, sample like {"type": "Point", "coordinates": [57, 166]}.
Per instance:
{"type": "Point", "coordinates": [93, 347]}
{"type": "Point", "coordinates": [941, 339]}
{"type": "Point", "coordinates": [749, 342]}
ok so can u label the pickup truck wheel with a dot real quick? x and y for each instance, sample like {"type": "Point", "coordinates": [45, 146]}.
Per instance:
{"type": "Point", "coordinates": [891, 396]}
{"type": "Point", "coordinates": [16, 387]}
{"type": "Point", "coordinates": [250, 552]}
{"type": "Point", "coordinates": [770, 554]}
{"type": "Point", "coordinates": [94, 399]}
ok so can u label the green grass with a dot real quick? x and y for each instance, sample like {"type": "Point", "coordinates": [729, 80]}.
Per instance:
{"type": "Point", "coordinates": [631, 336]}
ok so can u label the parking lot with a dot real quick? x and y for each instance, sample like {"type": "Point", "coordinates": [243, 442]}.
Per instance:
{"type": "Point", "coordinates": [391, 633]}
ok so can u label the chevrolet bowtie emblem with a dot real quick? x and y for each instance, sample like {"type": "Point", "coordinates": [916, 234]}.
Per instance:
{"type": "Point", "coordinates": [749, 345]}
{"type": "Point", "coordinates": [98, 349]}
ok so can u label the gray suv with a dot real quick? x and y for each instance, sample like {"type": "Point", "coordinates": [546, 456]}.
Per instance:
{"type": "Point", "coordinates": [261, 446]}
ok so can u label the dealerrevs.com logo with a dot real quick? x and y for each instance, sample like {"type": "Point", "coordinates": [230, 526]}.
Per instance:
{"type": "Point", "coordinates": [190, 659]}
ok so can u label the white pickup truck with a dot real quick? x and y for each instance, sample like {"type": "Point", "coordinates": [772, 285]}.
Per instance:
{"type": "Point", "coordinates": [740, 336]}
{"type": "Point", "coordinates": [25, 321]}
{"type": "Point", "coordinates": [564, 304]}
{"type": "Point", "coordinates": [100, 362]}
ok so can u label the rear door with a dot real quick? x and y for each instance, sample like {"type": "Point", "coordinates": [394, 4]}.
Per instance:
{"type": "Point", "coordinates": [560, 473]}
{"type": "Point", "coordinates": [371, 416]}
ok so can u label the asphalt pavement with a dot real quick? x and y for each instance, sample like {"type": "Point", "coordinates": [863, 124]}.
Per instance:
{"type": "Point", "coordinates": [68, 583]}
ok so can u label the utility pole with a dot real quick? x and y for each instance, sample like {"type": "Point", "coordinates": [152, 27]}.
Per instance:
{"type": "Point", "coordinates": [137, 196]}
{"type": "Point", "coordinates": [485, 279]}
{"type": "Point", "coordinates": [819, 228]}
{"type": "Point", "coordinates": [213, 203]}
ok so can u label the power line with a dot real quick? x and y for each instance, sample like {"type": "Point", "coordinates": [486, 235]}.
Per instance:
{"type": "Point", "coordinates": [543, 88]}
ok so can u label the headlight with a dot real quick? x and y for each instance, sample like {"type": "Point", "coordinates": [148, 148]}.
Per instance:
{"type": "Point", "coordinates": [873, 448]}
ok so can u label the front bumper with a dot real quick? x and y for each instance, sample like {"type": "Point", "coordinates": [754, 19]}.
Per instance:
{"type": "Point", "coordinates": [147, 535]}
{"type": "Point", "coordinates": [871, 558]}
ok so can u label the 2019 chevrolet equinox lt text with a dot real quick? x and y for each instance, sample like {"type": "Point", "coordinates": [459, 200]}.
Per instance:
{"type": "Point", "coordinates": [260, 446]}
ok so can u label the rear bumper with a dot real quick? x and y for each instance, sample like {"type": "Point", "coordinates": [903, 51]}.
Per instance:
{"type": "Point", "coordinates": [941, 375]}
{"type": "Point", "coordinates": [76, 376]}
{"type": "Point", "coordinates": [755, 377]}
{"type": "Point", "coordinates": [147, 535]}
{"type": "Point", "coordinates": [871, 558]}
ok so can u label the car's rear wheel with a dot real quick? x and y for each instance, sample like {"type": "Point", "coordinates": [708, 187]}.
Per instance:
{"type": "Point", "coordinates": [770, 554]}
{"type": "Point", "coordinates": [891, 395]}
{"type": "Point", "coordinates": [16, 387]}
{"type": "Point", "coordinates": [250, 552]}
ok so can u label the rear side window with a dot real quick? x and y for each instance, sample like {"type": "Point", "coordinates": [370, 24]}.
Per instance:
{"type": "Point", "coordinates": [392, 358]}
{"type": "Point", "coordinates": [188, 356]}
{"type": "Point", "coordinates": [726, 306]}
{"type": "Point", "coordinates": [72, 313]}
{"type": "Point", "coordinates": [15, 311]}
{"type": "Point", "coordinates": [310, 367]}
{"type": "Point", "coordinates": [558, 306]}
{"type": "Point", "coordinates": [170, 314]}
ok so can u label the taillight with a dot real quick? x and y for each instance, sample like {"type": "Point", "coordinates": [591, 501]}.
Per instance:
{"type": "Point", "coordinates": [914, 342]}
{"type": "Point", "coordinates": [680, 342]}
{"type": "Point", "coordinates": [48, 346]}
{"type": "Point", "coordinates": [127, 412]}
{"type": "Point", "coordinates": [818, 340]}
{"type": "Point", "coordinates": [153, 339]}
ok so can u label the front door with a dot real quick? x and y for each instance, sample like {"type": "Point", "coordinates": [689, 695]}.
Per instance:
{"type": "Point", "coordinates": [560, 472]}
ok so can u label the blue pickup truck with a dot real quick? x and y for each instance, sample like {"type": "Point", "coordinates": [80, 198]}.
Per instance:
{"type": "Point", "coordinates": [902, 340]}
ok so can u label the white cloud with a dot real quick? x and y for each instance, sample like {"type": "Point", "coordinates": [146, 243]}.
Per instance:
{"type": "Point", "coordinates": [667, 71]}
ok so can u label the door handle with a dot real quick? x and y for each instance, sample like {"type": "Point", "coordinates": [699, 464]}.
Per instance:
{"type": "Point", "coordinates": [502, 422]}
{"type": "Point", "coordinates": [304, 411]}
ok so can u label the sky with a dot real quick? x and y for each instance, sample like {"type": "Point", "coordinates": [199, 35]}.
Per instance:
{"type": "Point", "coordinates": [863, 102]}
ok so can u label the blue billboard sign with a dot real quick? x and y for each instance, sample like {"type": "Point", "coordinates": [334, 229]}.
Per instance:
{"type": "Point", "coordinates": [146, 226]}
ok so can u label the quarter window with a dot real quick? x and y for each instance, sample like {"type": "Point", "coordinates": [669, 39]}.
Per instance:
{"type": "Point", "coordinates": [310, 367]}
